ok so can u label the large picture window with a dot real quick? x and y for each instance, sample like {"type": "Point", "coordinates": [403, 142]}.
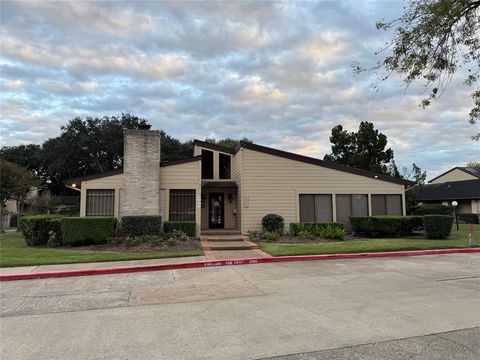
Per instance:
{"type": "Point", "coordinates": [182, 205]}
{"type": "Point", "coordinates": [224, 163]}
{"type": "Point", "coordinates": [315, 208]}
{"type": "Point", "coordinates": [387, 205]}
{"type": "Point", "coordinates": [350, 205]}
{"type": "Point", "coordinates": [100, 203]}
{"type": "Point", "coordinates": [207, 164]}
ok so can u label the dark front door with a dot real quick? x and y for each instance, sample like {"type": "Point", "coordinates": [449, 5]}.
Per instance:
{"type": "Point", "coordinates": [216, 211]}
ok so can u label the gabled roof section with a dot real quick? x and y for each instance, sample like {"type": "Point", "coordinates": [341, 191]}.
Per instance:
{"type": "Point", "coordinates": [452, 190]}
{"type": "Point", "coordinates": [76, 183]}
{"type": "Point", "coordinates": [468, 170]}
{"type": "Point", "coordinates": [211, 146]}
{"type": "Point", "coordinates": [324, 163]}
{"type": "Point", "coordinates": [181, 161]}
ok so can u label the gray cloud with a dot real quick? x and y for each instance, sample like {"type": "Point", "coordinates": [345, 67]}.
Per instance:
{"type": "Point", "coordinates": [276, 72]}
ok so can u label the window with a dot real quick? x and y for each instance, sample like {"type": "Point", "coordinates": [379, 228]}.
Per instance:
{"type": "Point", "coordinates": [315, 208]}
{"type": "Point", "coordinates": [350, 205]}
{"type": "Point", "coordinates": [182, 205]}
{"type": "Point", "coordinates": [387, 205]}
{"type": "Point", "coordinates": [224, 162]}
{"type": "Point", "coordinates": [100, 203]}
{"type": "Point", "coordinates": [207, 164]}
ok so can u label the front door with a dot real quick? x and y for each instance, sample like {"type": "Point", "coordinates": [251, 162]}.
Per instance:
{"type": "Point", "coordinates": [216, 211]}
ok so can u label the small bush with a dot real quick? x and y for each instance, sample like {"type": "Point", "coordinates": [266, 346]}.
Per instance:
{"type": "Point", "coordinates": [133, 226]}
{"type": "Point", "coordinates": [332, 232]}
{"type": "Point", "coordinates": [305, 235]}
{"type": "Point", "coordinates": [273, 223]}
{"type": "Point", "coordinates": [36, 228]}
{"type": "Point", "coordinates": [469, 218]}
{"type": "Point", "coordinates": [87, 230]}
{"type": "Point", "coordinates": [312, 228]}
{"type": "Point", "coordinates": [431, 209]}
{"type": "Point", "coordinates": [438, 226]}
{"type": "Point", "coordinates": [270, 235]}
{"type": "Point", "coordinates": [188, 227]}
{"type": "Point", "coordinates": [171, 242]}
{"type": "Point", "coordinates": [179, 235]}
{"type": "Point", "coordinates": [378, 226]}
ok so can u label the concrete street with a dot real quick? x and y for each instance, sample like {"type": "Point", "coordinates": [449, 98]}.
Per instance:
{"type": "Point", "coordinates": [424, 307]}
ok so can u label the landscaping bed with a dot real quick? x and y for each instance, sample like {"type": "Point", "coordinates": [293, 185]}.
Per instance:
{"type": "Point", "coordinates": [151, 244]}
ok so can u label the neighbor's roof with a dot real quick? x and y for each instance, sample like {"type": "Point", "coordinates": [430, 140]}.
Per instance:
{"type": "Point", "coordinates": [452, 190]}
{"type": "Point", "coordinates": [468, 170]}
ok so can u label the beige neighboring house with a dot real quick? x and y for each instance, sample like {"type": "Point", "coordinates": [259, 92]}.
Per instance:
{"type": "Point", "coordinates": [460, 184]}
{"type": "Point", "coordinates": [225, 189]}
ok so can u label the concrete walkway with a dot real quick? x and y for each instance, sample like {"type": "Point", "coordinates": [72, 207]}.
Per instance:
{"type": "Point", "coordinates": [230, 246]}
{"type": "Point", "coordinates": [247, 312]}
{"type": "Point", "coordinates": [96, 265]}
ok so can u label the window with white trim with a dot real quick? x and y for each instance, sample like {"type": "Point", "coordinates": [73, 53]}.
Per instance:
{"type": "Point", "coordinates": [100, 202]}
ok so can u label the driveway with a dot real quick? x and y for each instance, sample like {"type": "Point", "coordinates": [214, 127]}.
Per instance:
{"type": "Point", "coordinates": [248, 312]}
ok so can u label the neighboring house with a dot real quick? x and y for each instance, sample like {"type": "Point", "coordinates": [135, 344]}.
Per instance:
{"type": "Point", "coordinates": [221, 188]}
{"type": "Point", "coordinates": [461, 184]}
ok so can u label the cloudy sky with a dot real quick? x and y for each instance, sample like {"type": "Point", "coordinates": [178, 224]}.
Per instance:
{"type": "Point", "coordinates": [276, 72]}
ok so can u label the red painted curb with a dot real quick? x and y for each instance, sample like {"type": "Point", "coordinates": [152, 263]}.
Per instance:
{"type": "Point", "coordinates": [212, 263]}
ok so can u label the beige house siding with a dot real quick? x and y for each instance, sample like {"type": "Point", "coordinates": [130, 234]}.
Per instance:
{"type": "Point", "coordinates": [237, 175]}
{"type": "Point", "coordinates": [271, 184]}
{"type": "Point", "coordinates": [182, 177]}
{"type": "Point", "coordinates": [455, 175]}
{"type": "Point", "coordinates": [114, 182]}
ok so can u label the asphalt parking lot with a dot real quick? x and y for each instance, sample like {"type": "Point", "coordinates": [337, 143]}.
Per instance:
{"type": "Point", "coordinates": [299, 310]}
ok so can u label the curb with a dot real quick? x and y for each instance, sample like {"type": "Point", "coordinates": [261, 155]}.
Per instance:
{"type": "Point", "coordinates": [213, 263]}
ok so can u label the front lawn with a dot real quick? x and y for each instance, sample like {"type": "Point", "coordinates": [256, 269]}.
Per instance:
{"type": "Point", "coordinates": [458, 240]}
{"type": "Point", "coordinates": [14, 252]}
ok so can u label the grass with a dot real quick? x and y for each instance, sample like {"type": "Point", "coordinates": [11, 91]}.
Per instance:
{"type": "Point", "coordinates": [458, 240]}
{"type": "Point", "coordinates": [14, 252]}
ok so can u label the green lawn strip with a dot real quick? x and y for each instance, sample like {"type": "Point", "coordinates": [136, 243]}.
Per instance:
{"type": "Point", "coordinates": [14, 252]}
{"type": "Point", "coordinates": [458, 240]}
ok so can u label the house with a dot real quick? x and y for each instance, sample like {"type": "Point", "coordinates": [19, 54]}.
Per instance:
{"type": "Point", "coordinates": [460, 184]}
{"type": "Point", "coordinates": [232, 189]}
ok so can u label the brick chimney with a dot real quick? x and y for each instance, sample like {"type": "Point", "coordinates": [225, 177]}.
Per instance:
{"type": "Point", "coordinates": [141, 172]}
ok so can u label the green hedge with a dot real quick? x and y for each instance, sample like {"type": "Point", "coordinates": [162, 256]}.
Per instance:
{"type": "Point", "coordinates": [36, 228]}
{"type": "Point", "coordinates": [273, 223]}
{"type": "Point", "coordinates": [431, 209]}
{"type": "Point", "coordinates": [469, 218]}
{"type": "Point", "coordinates": [312, 228]}
{"type": "Point", "coordinates": [438, 226]}
{"type": "Point", "coordinates": [78, 231]}
{"type": "Point", "coordinates": [133, 226]}
{"type": "Point", "coordinates": [188, 227]}
{"type": "Point", "coordinates": [378, 226]}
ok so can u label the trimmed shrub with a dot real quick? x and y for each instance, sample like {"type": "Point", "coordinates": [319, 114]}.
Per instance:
{"type": "Point", "coordinates": [55, 234]}
{"type": "Point", "coordinates": [270, 235]}
{"type": "Point", "coordinates": [133, 226]}
{"type": "Point", "coordinates": [188, 227]}
{"type": "Point", "coordinates": [438, 226]}
{"type": "Point", "coordinates": [378, 226]}
{"type": "Point", "coordinates": [431, 209]}
{"type": "Point", "coordinates": [469, 218]}
{"type": "Point", "coordinates": [36, 228]}
{"type": "Point", "coordinates": [78, 231]}
{"type": "Point", "coordinates": [273, 223]}
{"type": "Point", "coordinates": [313, 228]}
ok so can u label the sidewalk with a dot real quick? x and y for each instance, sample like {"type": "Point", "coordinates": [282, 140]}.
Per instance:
{"type": "Point", "coordinates": [96, 265]}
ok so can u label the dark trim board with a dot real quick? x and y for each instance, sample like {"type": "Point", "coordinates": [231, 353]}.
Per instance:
{"type": "Point", "coordinates": [181, 161]}
{"type": "Point", "coordinates": [211, 146]}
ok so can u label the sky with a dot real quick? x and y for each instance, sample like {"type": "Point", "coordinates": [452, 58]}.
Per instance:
{"type": "Point", "coordinates": [279, 73]}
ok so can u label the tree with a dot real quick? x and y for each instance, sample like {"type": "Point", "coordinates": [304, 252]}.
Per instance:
{"type": "Point", "coordinates": [173, 149]}
{"type": "Point", "coordinates": [414, 174]}
{"type": "Point", "coordinates": [86, 146]}
{"type": "Point", "coordinates": [15, 183]}
{"type": "Point", "coordinates": [228, 142]}
{"type": "Point", "coordinates": [433, 40]}
{"type": "Point", "coordinates": [364, 149]}
{"type": "Point", "coordinates": [474, 164]}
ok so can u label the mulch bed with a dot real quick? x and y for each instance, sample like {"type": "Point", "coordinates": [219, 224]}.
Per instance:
{"type": "Point", "coordinates": [192, 244]}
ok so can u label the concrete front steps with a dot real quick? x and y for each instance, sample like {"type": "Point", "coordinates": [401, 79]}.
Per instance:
{"type": "Point", "coordinates": [228, 245]}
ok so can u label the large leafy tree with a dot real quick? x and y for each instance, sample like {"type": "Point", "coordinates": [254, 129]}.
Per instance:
{"type": "Point", "coordinates": [364, 149]}
{"type": "Point", "coordinates": [414, 174]}
{"type": "Point", "coordinates": [228, 142]}
{"type": "Point", "coordinates": [15, 184]}
{"type": "Point", "coordinates": [432, 40]}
